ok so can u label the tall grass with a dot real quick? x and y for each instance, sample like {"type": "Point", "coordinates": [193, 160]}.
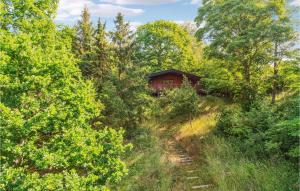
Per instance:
{"type": "Point", "coordinates": [230, 170]}
{"type": "Point", "coordinates": [149, 170]}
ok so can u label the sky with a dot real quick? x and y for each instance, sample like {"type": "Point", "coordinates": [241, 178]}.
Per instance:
{"type": "Point", "coordinates": [137, 12]}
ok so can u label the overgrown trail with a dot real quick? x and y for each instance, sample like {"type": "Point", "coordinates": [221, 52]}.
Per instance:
{"type": "Point", "coordinates": [186, 169]}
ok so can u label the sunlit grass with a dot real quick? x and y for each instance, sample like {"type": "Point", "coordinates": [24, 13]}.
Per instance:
{"type": "Point", "coordinates": [197, 127]}
{"type": "Point", "coordinates": [205, 122]}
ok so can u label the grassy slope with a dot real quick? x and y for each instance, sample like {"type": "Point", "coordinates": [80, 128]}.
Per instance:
{"type": "Point", "coordinates": [218, 162]}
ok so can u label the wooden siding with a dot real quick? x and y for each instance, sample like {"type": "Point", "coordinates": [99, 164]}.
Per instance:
{"type": "Point", "coordinates": [161, 82]}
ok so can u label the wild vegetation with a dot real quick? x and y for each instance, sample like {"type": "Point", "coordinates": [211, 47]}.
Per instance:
{"type": "Point", "coordinates": [76, 111]}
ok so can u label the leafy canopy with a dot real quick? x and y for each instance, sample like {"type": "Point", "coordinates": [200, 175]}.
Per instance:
{"type": "Point", "coordinates": [48, 138]}
{"type": "Point", "coordinates": [164, 45]}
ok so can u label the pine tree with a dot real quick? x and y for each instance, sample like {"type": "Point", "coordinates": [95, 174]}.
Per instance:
{"type": "Point", "coordinates": [48, 141]}
{"type": "Point", "coordinates": [83, 42]}
{"type": "Point", "coordinates": [122, 44]}
{"type": "Point", "coordinates": [101, 67]}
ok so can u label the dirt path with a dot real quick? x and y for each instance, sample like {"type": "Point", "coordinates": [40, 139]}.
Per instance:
{"type": "Point", "coordinates": [186, 169]}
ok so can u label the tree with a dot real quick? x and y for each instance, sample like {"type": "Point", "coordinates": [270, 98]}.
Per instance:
{"type": "Point", "coordinates": [164, 45]}
{"type": "Point", "coordinates": [83, 42]}
{"type": "Point", "coordinates": [101, 67]}
{"type": "Point", "coordinates": [282, 37]}
{"type": "Point", "coordinates": [242, 42]}
{"type": "Point", "coordinates": [122, 44]}
{"type": "Point", "coordinates": [48, 138]}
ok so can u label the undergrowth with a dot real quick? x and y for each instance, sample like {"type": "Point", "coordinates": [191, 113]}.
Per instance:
{"type": "Point", "coordinates": [149, 170]}
{"type": "Point", "coordinates": [230, 170]}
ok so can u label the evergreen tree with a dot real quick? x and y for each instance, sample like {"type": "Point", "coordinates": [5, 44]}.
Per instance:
{"type": "Point", "coordinates": [48, 138]}
{"type": "Point", "coordinates": [101, 67]}
{"type": "Point", "coordinates": [124, 94]}
{"type": "Point", "coordinates": [122, 45]}
{"type": "Point", "coordinates": [83, 42]}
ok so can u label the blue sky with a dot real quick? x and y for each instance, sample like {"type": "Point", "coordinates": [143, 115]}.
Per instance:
{"type": "Point", "coordinates": [136, 11]}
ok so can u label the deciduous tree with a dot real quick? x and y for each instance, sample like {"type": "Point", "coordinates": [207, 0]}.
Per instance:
{"type": "Point", "coordinates": [164, 45]}
{"type": "Point", "coordinates": [237, 31]}
{"type": "Point", "coordinates": [48, 138]}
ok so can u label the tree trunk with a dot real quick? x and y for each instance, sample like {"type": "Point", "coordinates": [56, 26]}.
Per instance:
{"type": "Point", "coordinates": [246, 94]}
{"type": "Point", "coordinates": [275, 74]}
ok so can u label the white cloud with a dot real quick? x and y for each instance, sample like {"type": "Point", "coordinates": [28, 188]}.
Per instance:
{"type": "Point", "coordinates": [295, 3]}
{"type": "Point", "coordinates": [139, 2]}
{"type": "Point", "coordinates": [70, 10]}
{"type": "Point", "coordinates": [196, 2]}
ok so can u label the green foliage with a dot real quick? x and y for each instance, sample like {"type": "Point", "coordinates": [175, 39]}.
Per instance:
{"type": "Point", "coordinates": [122, 46]}
{"type": "Point", "coordinates": [100, 67]}
{"type": "Point", "coordinates": [117, 111]}
{"type": "Point", "coordinates": [264, 130]}
{"type": "Point", "coordinates": [83, 42]}
{"type": "Point", "coordinates": [126, 101]}
{"type": "Point", "coordinates": [49, 140]}
{"type": "Point", "coordinates": [285, 134]}
{"type": "Point", "coordinates": [218, 79]}
{"type": "Point", "coordinates": [163, 45]}
{"type": "Point", "coordinates": [261, 36]}
{"type": "Point", "coordinates": [240, 41]}
{"type": "Point", "coordinates": [183, 101]}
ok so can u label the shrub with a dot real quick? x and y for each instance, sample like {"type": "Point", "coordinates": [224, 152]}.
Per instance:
{"type": "Point", "coordinates": [286, 134]}
{"type": "Point", "coordinates": [183, 101]}
{"type": "Point", "coordinates": [264, 129]}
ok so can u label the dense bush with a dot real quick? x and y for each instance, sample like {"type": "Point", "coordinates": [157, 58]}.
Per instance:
{"type": "Point", "coordinates": [125, 101]}
{"type": "Point", "coordinates": [183, 101]}
{"type": "Point", "coordinates": [286, 134]}
{"type": "Point", "coordinates": [264, 128]}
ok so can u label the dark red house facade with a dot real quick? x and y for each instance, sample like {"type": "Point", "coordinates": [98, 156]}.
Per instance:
{"type": "Point", "coordinates": [172, 79]}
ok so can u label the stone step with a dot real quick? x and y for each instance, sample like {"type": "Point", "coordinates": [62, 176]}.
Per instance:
{"type": "Point", "coordinates": [186, 163]}
{"type": "Point", "coordinates": [192, 177]}
{"type": "Point", "coordinates": [186, 160]}
{"type": "Point", "coordinates": [201, 186]}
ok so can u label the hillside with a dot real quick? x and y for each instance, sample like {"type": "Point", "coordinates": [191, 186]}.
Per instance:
{"type": "Point", "coordinates": [182, 155]}
{"type": "Point", "coordinates": [105, 104]}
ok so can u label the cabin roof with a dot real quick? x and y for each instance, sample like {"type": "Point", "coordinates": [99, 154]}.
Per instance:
{"type": "Point", "coordinates": [173, 71]}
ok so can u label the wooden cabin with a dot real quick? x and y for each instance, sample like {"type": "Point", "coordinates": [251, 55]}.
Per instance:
{"type": "Point", "coordinates": [167, 79]}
